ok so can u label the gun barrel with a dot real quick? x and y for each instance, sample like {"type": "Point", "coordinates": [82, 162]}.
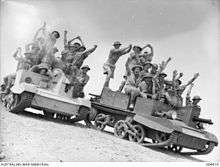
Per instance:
{"type": "Point", "coordinates": [208, 121]}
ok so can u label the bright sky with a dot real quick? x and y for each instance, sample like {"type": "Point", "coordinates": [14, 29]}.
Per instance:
{"type": "Point", "coordinates": [187, 31]}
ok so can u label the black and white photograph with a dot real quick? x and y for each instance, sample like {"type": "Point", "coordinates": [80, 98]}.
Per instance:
{"type": "Point", "coordinates": [109, 81]}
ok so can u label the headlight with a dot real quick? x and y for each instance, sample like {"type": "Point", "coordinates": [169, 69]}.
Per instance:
{"type": "Point", "coordinates": [28, 80]}
{"type": "Point", "coordinates": [171, 114]}
{"type": "Point", "coordinates": [174, 115]}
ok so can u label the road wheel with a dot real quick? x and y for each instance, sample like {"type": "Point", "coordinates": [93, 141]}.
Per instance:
{"type": "Point", "coordinates": [100, 120]}
{"type": "Point", "coordinates": [120, 129]}
{"type": "Point", "coordinates": [20, 102]}
{"type": "Point", "coordinates": [139, 134]}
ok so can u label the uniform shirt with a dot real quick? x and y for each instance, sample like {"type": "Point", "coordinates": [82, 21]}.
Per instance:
{"type": "Point", "coordinates": [132, 81]}
{"type": "Point", "coordinates": [114, 55]}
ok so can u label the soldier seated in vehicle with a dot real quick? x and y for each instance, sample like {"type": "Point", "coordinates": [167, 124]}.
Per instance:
{"type": "Point", "coordinates": [24, 62]}
{"type": "Point", "coordinates": [132, 85]}
{"type": "Point", "coordinates": [146, 86]}
{"type": "Point", "coordinates": [148, 55]}
{"type": "Point", "coordinates": [154, 69]}
{"type": "Point", "coordinates": [81, 80]}
{"type": "Point", "coordinates": [146, 69]}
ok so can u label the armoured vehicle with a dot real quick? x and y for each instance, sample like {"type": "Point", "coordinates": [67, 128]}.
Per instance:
{"type": "Point", "coordinates": [152, 123]}
{"type": "Point", "coordinates": [47, 93]}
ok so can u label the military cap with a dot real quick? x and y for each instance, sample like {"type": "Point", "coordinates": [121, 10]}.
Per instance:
{"type": "Point", "coordinates": [137, 47]}
{"type": "Point", "coordinates": [197, 98]}
{"type": "Point", "coordinates": [147, 62]}
{"type": "Point", "coordinates": [137, 66]}
{"type": "Point", "coordinates": [83, 48]}
{"type": "Point", "coordinates": [85, 67]}
{"type": "Point", "coordinates": [163, 75]}
{"type": "Point", "coordinates": [180, 82]}
{"type": "Point", "coordinates": [147, 75]}
{"type": "Point", "coordinates": [43, 66]}
{"type": "Point", "coordinates": [116, 43]}
{"type": "Point", "coordinates": [155, 65]}
{"type": "Point", "coordinates": [168, 82]}
{"type": "Point", "coordinates": [58, 34]}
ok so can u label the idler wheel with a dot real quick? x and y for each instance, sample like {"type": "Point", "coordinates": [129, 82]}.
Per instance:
{"type": "Point", "coordinates": [207, 148]}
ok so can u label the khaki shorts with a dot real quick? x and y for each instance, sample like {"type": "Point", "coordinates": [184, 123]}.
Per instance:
{"type": "Point", "coordinates": [109, 69]}
{"type": "Point", "coordinates": [128, 89]}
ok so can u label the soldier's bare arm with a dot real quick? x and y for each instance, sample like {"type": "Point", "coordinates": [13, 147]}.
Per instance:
{"type": "Point", "coordinates": [196, 75]}
{"type": "Point", "coordinates": [65, 38]}
{"type": "Point", "coordinates": [125, 50]}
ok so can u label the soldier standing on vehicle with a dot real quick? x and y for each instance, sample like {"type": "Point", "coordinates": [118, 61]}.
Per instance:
{"type": "Point", "coordinates": [82, 55]}
{"type": "Point", "coordinates": [132, 85]}
{"type": "Point", "coordinates": [23, 62]}
{"type": "Point", "coordinates": [114, 55]}
{"type": "Point", "coordinates": [148, 56]}
{"type": "Point", "coordinates": [180, 88]}
{"type": "Point", "coordinates": [133, 59]}
{"type": "Point", "coordinates": [188, 98]}
{"type": "Point", "coordinates": [82, 79]}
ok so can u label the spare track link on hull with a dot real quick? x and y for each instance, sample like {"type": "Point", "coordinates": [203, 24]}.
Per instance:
{"type": "Point", "coordinates": [171, 139]}
{"type": "Point", "coordinates": [24, 102]}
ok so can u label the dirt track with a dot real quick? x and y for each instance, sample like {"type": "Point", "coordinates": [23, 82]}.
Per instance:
{"type": "Point", "coordinates": [29, 137]}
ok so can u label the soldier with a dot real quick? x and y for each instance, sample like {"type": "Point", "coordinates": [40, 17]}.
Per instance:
{"type": "Point", "coordinates": [146, 69]}
{"type": "Point", "coordinates": [146, 86]}
{"type": "Point", "coordinates": [23, 62]}
{"type": "Point", "coordinates": [50, 59]}
{"type": "Point", "coordinates": [188, 98]}
{"type": "Point", "coordinates": [154, 69]}
{"type": "Point", "coordinates": [148, 56]}
{"type": "Point", "coordinates": [81, 55]}
{"type": "Point", "coordinates": [132, 85]}
{"type": "Point", "coordinates": [114, 55]}
{"type": "Point", "coordinates": [159, 83]}
{"type": "Point", "coordinates": [121, 87]}
{"type": "Point", "coordinates": [180, 88]}
{"type": "Point", "coordinates": [81, 80]}
{"type": "Point", "coordinates": [133, 59]}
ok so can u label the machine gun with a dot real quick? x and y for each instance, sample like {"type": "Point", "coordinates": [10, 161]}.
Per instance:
{"type": "Point", "coordinates": [207, 121]}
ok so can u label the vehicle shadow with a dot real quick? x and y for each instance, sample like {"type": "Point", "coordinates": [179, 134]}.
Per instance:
{"type": "Point", "coordinates": [78, 124]}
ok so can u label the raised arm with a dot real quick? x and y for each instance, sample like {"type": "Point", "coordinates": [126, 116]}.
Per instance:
{"type": "Point", "coordinates": [196, 75]}
{"type": "Point", "coordinates": [65, 38]}
{"type": "Point", "coordinates": [43, 28]}
{"type": "Point", "coordinates": [189, 90]}
{"type": "Point", "coordinates": [162, 67]}
{"type": "Point", "coordinates": [149, 46]}
{"type": "Point", "coordinates": [125, 50]}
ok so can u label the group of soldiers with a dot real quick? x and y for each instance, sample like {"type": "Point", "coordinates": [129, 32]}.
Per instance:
{"type": "Point", "coordinates": [146, 79]}
{"type": "Point", "coordinates": [142, 78]}
{"type": "Point", "coordinates": [40, 57]}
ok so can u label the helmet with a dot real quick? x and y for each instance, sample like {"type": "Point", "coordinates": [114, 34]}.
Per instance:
{"type": "Point", "coordinates": [163, 75]}
{"type": "Point", "coordinates": [137, 47]}
{"type": "Point", "coordinates": [147, 75]}
{"type": "Point", "coordinates": [136, 66]}
{"type": "Point", "coordinates": [116, 43]}
{"type": "Point", "coordinates": [197, 97]}
{"type": "Point", "coordinates": [85, 67]}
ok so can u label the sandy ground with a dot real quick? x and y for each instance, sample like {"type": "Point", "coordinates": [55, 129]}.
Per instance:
{"type": "Point", "coordinates": [30, 137]}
